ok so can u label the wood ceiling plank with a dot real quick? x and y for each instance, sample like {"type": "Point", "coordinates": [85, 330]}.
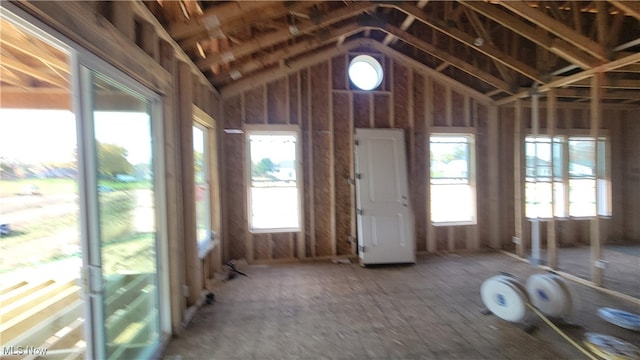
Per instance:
{"type": "Point", "coordinates": [276, 37]}
{"type": "Point", "coordinates": [537, 35]}
{"type": "Point", "coordinates": [557, 28]}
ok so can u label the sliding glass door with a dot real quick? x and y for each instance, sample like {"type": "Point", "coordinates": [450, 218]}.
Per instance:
{"type": "Point", "coordinates": [124, 178]}
{"type": "Point", "coordinates": [81, 246]}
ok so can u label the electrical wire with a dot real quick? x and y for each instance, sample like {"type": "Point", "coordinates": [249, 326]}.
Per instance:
{"type": "Point", "coordinates": [565, 336]}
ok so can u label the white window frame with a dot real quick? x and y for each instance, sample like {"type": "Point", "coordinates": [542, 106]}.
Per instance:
{"type": "Point", "coordinates": [560, 182]}
{"type": "Point", "coordinates": [471, 179]}
{"type": "Point", "coordinates": [205, 242]}
{"type": "Point", "coordinates": [293, 130]}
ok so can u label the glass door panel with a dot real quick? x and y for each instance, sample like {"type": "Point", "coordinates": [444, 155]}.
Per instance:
{"type": "Point", "coordinates": [126, 211]}
{"type": "Point", "coordinates": [41, 302]}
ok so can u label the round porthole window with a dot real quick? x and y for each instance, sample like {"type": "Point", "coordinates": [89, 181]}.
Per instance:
{"type": "Point", "coordinates": [365, 72]}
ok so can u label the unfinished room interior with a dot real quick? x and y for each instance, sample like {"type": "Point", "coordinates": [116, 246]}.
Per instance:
{"type": "Point", "coordinates": [320, 179]}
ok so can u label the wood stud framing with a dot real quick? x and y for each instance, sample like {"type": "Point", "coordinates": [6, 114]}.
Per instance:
{"type": "Point", "coordinates": [314, 94]}
{"type": "Point", "coordinates": [412, 102]}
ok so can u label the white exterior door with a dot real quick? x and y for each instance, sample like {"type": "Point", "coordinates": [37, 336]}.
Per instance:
{"type": "Point", "coordinates": [385, 220]}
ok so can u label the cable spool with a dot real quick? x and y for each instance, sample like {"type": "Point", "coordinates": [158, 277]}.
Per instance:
{"type": "Point", "coordinates": [550, 294]}
{"type": "Point", "coordinates": [611, 348]}
{"type": "Point", "coordinates": [620, 318]}
{"type": "Point", "coordinates": [504, 296]}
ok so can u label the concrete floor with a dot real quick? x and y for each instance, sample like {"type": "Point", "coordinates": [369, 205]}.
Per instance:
{"type": "Point", "coordinates": [430, 310]}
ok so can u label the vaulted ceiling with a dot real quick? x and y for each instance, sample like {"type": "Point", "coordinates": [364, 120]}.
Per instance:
{"type": "Point", "coordinates": [499, 48]}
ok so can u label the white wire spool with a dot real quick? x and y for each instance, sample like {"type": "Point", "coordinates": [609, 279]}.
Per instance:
{"type": "Point", "coordinates": [620, 318]}
{"type": "Point", "coordinates": [550, 294]}
{"type": "Point", "coordinates": [505, 297]}
{"type": "Point", "coordinates": [610, 347]}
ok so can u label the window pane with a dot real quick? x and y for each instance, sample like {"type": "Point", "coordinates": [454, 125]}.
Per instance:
{"type": "Point", "coordinates": [582, 172]}
{"type": "Point", "coordinates": [449, 158]}
{"type": "Point", "coordinates": [127, 208]}
{"type": "Point", "coordinates": [42, 302]}
{"type": "Point", "coordinates": [559, 194]}
{"type": "Point", "coordinates": [452, 203]}
{"type": "Point", "coordinates": [538, 159]}
{"type": "Point", "coordinates": [274, 191]}
{"type": "Point", "coordinates": [200, 161]}
{"type": "Point", "coordinates": [582, 197]}
{"type": "Point", "coordinates": [538, 199]}
{"type": "Point", "coordinates": [452, 196]}
{"type": "Point", "coordinates": [558, 159]}
{"type": "Point", "coordinates": [582, 157]}
{"type": "Point", "coordinates": [604, 183]}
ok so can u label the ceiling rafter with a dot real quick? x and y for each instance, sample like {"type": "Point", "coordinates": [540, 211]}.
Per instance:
{"type": "Point", "coordinates": [445, 56]}
{"type": "Point", "coordinates": [405, 24]}
{"type": "Point", "coordinates": [584, 93]}
{"type": "Point", "coordinates": [539, 36]}
{"type": "Point", "coordinates": [609, 84]}
{"type": "Point", "coordinates": [21, 67]}
{"type": "Point", "coordinates": [274, 38]}
{"type": "Point", "coordinates": [461, 36]}
{"type": "Point", "coordinates": [36, 52]}
{"type": "Point", "coordinates": [8, 76]}
{"type": "Point", "coordinates": [631, 8]}
{"type": "Point", "coordinates": [267, 75]}
{"type": "Point", "coordinates": [557, 28]}
{"type": "Point", "coordinates": [576, 78]}
{"type": "Point", "coordinates": [217, 15]}
{"type": "Point", "coordinates": [229, 28]}
{"type": "Point", "coordinates": [286, 53]}
{"type": "Point", "coordinates": [485, 35]}
{"type": "Point", "coordinates": [432, 50]}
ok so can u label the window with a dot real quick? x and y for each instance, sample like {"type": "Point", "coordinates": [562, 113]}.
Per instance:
{"type": "Point", "coordinates": [566, 166]}
{"type": "Point", "coordinates": [365, 72]}
{"type": "Point", "coordinates": [202, 190]}
{"type": "Point", "coordinates": [584, 178]}
{"type": "Point", "coordinates": [274, 202]}
{"type": "Point", "coordinates": [452, 179]}
{"type": "Point", "coordinates": [544, 174]}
